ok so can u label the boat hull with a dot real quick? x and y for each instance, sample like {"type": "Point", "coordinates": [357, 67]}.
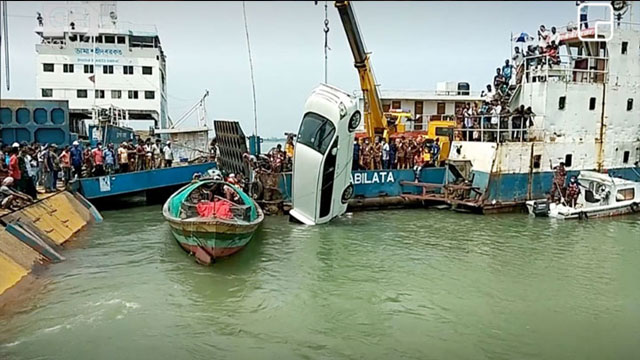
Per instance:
{"type": "Point", "coordinates": [209, 238]}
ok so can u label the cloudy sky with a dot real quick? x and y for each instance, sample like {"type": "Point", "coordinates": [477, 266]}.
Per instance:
{"type": "Point", "coordinates": [414, 45]}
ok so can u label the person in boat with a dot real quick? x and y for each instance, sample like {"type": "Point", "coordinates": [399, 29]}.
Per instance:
{"type": "Point", "coordinates": [385, 155]}
{"type": "Point", "coordinates": [168, 155]}
{"type": "Point", "coordinates": [123, 158]}
{"type": "Point", "coordinates": [573, 191]}
{"type": "Point", "coordinates": [435, 152]}
{"type": "Point", "coordinates": [559, 179]}
{"type": "Point", "coordinates": [229, 193]}
{"type": "Point", "coordinates": [76, 159]}
{"type": "Point", "coordinates": [517, 123]}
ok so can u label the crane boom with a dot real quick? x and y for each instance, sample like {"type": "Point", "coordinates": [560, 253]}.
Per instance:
{"type": "Point", "coordinates": [374, 119]}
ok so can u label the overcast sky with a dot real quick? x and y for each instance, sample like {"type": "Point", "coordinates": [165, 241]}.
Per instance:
{"type": "Point", "coordinates": [414, 45]}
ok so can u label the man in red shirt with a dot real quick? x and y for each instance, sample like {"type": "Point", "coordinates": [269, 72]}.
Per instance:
{"type": "Point", "coordinates": [98, 160]}
{"type": "Point", "coordinates": [14, 168]}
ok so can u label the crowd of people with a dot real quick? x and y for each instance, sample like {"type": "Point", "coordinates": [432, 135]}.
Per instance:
{"type": "Point", "coordinates": [25, 167]}
{"type": "Point", "coordinates": [398, 153]}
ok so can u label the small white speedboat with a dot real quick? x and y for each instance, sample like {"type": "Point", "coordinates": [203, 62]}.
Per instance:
{"type": "Point", "coordinates": [600, 195]}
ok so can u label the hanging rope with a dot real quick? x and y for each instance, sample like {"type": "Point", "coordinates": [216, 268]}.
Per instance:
{"type": "Point", "coordinates": [253, 83]}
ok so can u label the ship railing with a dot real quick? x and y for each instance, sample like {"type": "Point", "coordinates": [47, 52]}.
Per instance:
{"type": "Point", "coordinates": [564, 68]}
{"type": "Point", "coordinates": [501, 128]}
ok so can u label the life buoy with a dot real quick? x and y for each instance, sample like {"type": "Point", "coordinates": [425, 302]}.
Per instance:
{"type": "Point", "coordinates": [635, 207]}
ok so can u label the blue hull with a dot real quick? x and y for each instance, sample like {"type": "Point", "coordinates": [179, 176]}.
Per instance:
{"type": "Point", "coordinates": [500, 190]}
{"type": "Point", "coordinates": [128, 183]}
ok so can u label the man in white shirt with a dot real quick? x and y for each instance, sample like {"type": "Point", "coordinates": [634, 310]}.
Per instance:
{"type": "Point", "coordinates": [168, 155]}
{"type": "Point", "coordinates": [385, 155]}
{"type": "Point", "coordinates": [156, 150]}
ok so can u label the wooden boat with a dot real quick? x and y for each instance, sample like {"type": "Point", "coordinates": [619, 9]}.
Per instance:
{"type": "Point", "coordinates": [212, 219]}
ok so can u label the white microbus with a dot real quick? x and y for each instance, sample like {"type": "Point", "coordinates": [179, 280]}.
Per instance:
{"type": "Point", "coordinates": [323, 154]}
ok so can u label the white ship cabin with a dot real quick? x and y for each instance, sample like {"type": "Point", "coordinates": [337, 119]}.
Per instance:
{"type": "Point", "coordinates": [92, 59]}
{"type": "Point", "coordinates": [584, 106]}
{"type": "Point", "coordinates": [444, 103]}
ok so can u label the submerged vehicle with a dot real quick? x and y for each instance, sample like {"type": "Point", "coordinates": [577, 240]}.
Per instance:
{"type": "Point", "coordinates": [321, 180]}
{"type": "Point", "coordinates": [600, 195]}
{"type": "Point", "coordinates": [212, 219]}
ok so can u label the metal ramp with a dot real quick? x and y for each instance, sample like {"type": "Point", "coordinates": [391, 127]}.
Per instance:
{"type": "Point", "coordinates": [233, 145]}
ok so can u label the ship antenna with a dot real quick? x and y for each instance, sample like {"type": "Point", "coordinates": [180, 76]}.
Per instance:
{"type": "Point", "coordinates": [326, 41]}
{"type": "Point", "coordinates": [253, 83]}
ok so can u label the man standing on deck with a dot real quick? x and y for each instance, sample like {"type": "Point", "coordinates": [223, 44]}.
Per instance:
{"type": "Point", "coordinates": [98, 160]}
{"type": "Point", "coordinates": [76, 159]}
{"type": "Point", "coordinates": [123, 157]}
{"type": "Point", "coordinates": [584, 12]}
{"type": "Point", "coordinates": [365, 156]}
{"type": "Point", "coordinates": [109, 159]}
{"type": "Point", "coordinates": [355, 162]}
{"type": "Point", "coordinates": [157, 154]}
{"type": "Point", "coordinates": [559, 178]}
{"type": "Point", "coordinates": [377, 155]}
{"type": "Point", "coordinates": [385, 155]}
{"type": "Point", "coordinates": [65, 163]}
{"type": "Point", "coordinates": [507, 71]}
{"type": "Point", "coordinates": [168, 155]}
{"type": "Point", "coordinates": [14, 166]}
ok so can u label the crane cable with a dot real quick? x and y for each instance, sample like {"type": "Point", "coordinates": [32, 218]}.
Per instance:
{"type": "Point", "coordinates": [253, 83]}
{"type": "Point", "coordinates": [4, 33]}
{"type": "Point", "coordinates": [326, 41]}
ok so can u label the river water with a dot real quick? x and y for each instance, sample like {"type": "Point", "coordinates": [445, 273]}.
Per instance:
{"type": "Point", "coordinates": [421, 284]}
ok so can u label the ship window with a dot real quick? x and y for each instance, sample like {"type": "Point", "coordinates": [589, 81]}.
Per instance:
{"type": "Point", "coordinates": [562, 101]}
{"type": "Point", "coordinates": [47, 67]}
{"type": "Point", "coordinates": [395, 105]}
{"type": "Point", "coordinates": [109, 39]}
{"type": "Point", "coordinates": [316, 132]}
{"type": "Point", "coordinates": [99, 94]}
{"type": "Point", "coordinates": [147, 70]}
{"type": "Point", "coordinates": [568, 160]}
{"type": "Point", "coordinates": [629, 104]}
{"type": "Point", "coordinates": [441, 108]}
{"type": "Point", "coordinates": [5, 116]}
{"type": "Point", "coordinates": [88, 69]}
{"type": "Point", "coordinates": [98, 39]}
{"type": "Point", "coordinates": [386, 107]}
{"type": "Point", "coordinates": [149, 95]}
{"type": "Point", "coordinates": [127, 69]}
{"type": "Point", "coordinates": [625, 45]}
{"type": "Point", "coordinates": [592, 103]}
{"type": "Point", "coordinates": [107, 69]}
{"type": "Point", "coordinates": [121, 40]}
{"type": "Point", "coordinates": [82, 94]}
{"type": "Point", "coordinates": [47, 92]}
{"type": "Point", "coordinates": [418, 107]}
{"type": "Point", "coordinates": [116, 94]}
{"type": "Point", "coordinates": [537, 159]}
{"type": "Point", "coordinates": [133, 94]}
{"type": "Point", "coordinates": [625, 194]}
{"type": "Point", "coordinates": [23, 116]}
{"type": "Point", "coordinates": [73, 38]}
{"type": "Point", "coordinates": [40, 116]}
{"type": "Point", "coordinates": [625, 157]}
{"type": "Point", "coordinates": [68, 68]}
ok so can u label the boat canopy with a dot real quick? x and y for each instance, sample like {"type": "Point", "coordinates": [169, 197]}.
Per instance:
{"type": "Point", "coordinates": [178, 199]}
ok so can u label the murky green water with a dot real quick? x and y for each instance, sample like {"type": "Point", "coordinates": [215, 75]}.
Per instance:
{"type": "Point", "coordinates": [377, 285]}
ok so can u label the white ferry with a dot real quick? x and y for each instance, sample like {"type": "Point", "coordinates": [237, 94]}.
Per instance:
{"type": "Point", "coordinates": [586, 114]}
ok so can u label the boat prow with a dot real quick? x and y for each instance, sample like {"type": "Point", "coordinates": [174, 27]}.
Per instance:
{"type": "Point", "coordinates": [212, 219]}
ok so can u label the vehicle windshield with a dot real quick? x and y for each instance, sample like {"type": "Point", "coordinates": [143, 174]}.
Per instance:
{"type": "Point", "coordinates": [316, 132]}
{"type": "Point", "coordinates": [444, 131]}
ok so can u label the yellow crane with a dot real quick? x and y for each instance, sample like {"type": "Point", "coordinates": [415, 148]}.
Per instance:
{"type": "Point", "coordinates": [376, 122]}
